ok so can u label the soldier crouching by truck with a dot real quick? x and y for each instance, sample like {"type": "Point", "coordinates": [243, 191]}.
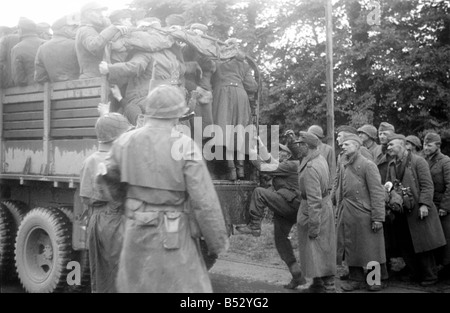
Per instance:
{"type": "Point", "coordinates": [166, 195]}
{"type": "Point", "coordinates": [105, 226]}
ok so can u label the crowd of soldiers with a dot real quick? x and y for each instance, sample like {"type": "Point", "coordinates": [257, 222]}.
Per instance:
{"type": "Point", "coordinates": [386, 201]}
{"type": "Point", "coordinates": [136, 57]}
{"type": "Point", "coordinates": [372, 203]}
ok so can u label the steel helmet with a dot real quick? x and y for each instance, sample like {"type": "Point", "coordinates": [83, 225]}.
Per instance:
{"type": "Point", "coordinates": [414, 140]}
{"type": "Point", "coordinates": [165, 102]}
{"type": "Point", "coordinates": [110, 126]}
{"type": "Point", "coordinates": [316, 130]}
{"type": "Point", "coordinates": [369, 130]}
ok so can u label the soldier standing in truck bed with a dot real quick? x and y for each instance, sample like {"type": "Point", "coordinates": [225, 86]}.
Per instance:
{"type": "Point", "coordinates": [91, 38]}
{"type": "Point", "coordinates": [232, 82]}
{"type": "Point", "coordinates": [6, 44]}
{"type": "Point", "coordinates": [56, 59]}
{"type": "Point", "coordinates": [24, 53]}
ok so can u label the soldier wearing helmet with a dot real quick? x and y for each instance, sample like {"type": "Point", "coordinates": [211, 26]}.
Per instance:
{"type": "Point", "coordinates": [170, 202]}
{"type": "Point", "coordinates": [413, 144]}
{"type": "Point", "coordinates": [105, 214]}
{"type": "Point", "coordinates": [368, 134]}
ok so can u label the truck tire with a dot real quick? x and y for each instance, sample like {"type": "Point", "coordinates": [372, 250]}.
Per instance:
{"type": "Point", "coordinates": [43, 249]}
{"type": "Point", "coordinates": [209, 259]}
{"type": "Point", "coordinates": [11, 217]}
{"type": "Point", "coordinates": [18, 210]}
{"type": "Point", "coordinates": [7, 236]}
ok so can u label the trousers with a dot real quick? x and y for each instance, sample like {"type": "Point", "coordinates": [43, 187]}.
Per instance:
{"type": "Point", "coordinates": [285, 216]}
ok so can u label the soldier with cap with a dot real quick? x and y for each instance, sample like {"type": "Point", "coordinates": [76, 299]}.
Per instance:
{"type": "Point", "coordinates": [384, 130]}
{"type": "Point", "coordinates": [413, 144]}
{"type": "Point", "coordinates": [24, 53]}
{"type": "Point", "coordinates": [392, 250]}
{"type": "Point", "coordinates": [105, 210]}
{"type": "Point", "coordinates": [56, 60]}
{"type": "Point", "coordinates": [169, 204]}
{"type": "Point", "coordinates": [360, 200]}
{"type": "Point", "coordinates": [92, 37]}
{"type": "Point", "coordinates": [369, 134]}
{"type": "Point", "coordinates": [325, 150]}
{"type": "Point", "coordinates": [282, 200]}
{"type": "Point", "coordinates": [440, 173]}
{"type": "Point", "coordinates": [417, 228]}
{"type": "Point", "coordinates": [315, 218]}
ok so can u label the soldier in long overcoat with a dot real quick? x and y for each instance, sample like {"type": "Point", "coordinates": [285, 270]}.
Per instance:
{"type": "Point", "coordinates": [418, 230]}
{"type": "Point", "coordinates": [325, 150]}
{"type": "Point", "coordinates": [56, 59]}
{"type": "Point", "coordinates": [440, 173]}
{"type": "Point", "coordinates": [170, 202]}
{"type": "Point", "coordinates": [360, 201]}
{"type": "Point", "coordinates": [315, 217]}
{"type": "Point", "coordinates": [24, 53]}
{"type": "Point", "coordinates": [232, 82]}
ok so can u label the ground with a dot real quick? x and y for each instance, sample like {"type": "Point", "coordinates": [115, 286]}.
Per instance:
{"type": "Point", "coordinates": [256, 259]}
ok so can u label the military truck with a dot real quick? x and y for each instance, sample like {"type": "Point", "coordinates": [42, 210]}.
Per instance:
{"type": "Point", "coordinates": [46, 132]}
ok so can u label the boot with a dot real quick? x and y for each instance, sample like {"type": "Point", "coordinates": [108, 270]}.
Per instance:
{"type": "Point", "coordinates": [317, 286]}
{"type": "Point", "coordinates": [240, 169]}
{"type": "Point", "coordinates": [297, 277]}
{"type": "Point", "coordinates": [249, 230]}
{"type": "Point", "coordinates": [328, 284]}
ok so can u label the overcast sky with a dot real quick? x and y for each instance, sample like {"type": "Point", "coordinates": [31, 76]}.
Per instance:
{"type": "Point", "coordinates": [46, 10]}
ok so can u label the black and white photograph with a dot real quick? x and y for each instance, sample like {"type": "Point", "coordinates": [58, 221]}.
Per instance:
{"type": "Point", "coordinates": [252, 150]}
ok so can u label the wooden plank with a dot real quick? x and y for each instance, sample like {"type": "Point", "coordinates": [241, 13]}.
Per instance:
{"type": "Point", "coordinates": [76, 93]}
{"type": "Point", "coordinates": [72, 113]}
{"type": "Point", "coordinates": [32, 97]}
{"type": "Point", "coordinates": [33, 133]}
{"type": "Point", "coordinates": [23, 107]}
{"type": "Point", "coordinates": [25, 116]}
{"type": "Point", "coordinates": [76, 122]}
{"type": "Point", "coordinates": [71, 132]}
{"type": "Point", "coordinates": [75, 104]}
{"type": "Point", "coordinates": [23, 125]}
{"type": "Point", "coordinates": [76, 84]}
{"type": "Point", "coordinates": [23, 90]}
